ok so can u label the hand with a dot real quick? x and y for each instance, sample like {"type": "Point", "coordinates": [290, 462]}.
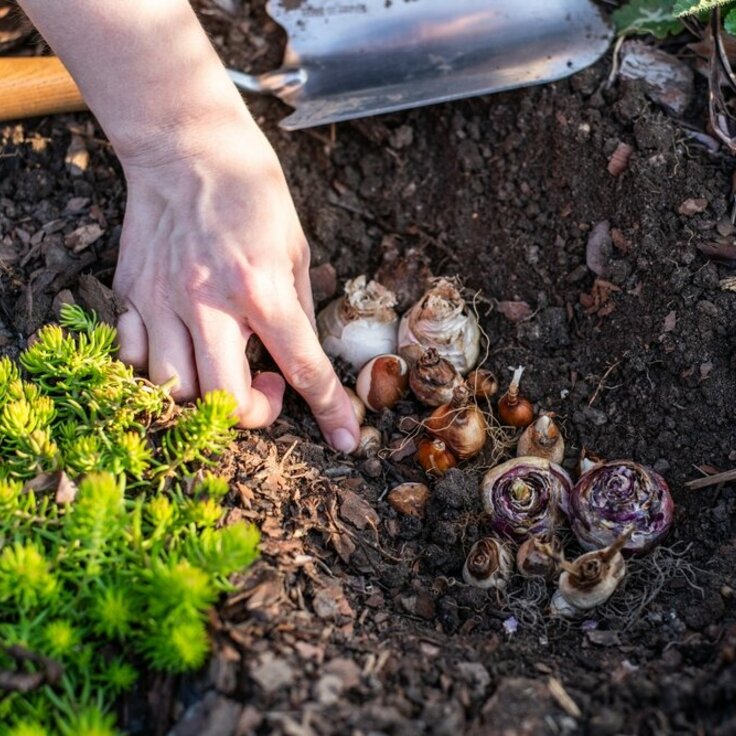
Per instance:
{"type": "Point", "coordinates": [212, 252]}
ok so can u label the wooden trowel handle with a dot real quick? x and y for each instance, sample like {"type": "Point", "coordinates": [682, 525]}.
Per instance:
{"type": "Point", "coordinates": [36, 85]}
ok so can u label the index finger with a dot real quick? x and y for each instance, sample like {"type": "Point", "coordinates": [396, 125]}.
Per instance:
{"type": "Point", "coordinates": [290, 339]}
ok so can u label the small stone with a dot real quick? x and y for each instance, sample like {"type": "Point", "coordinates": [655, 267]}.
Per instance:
{"type": "Point", "coordinates": [409, 498]}
{"type": "Point", "coordinates": [599, 249]}
{"type": "Point", "coordinates": [271, 673]}
{"type": "Point", "coordinates": [346, 669]}
{"type": "Point", "coordinates": [402, 137]}
{"type": "Point", "coordinates": [515, 311]}
{"type": "Point", "coordinates": [476, 676]}
{"type": "Point", "coordinates": [594, 416]}
{"type": "Point", "coordinates": [328, 689]}
{"type": "Point", "coordinates": [693, 206]}
{"type": "Point", "coordinates": [725, 227]}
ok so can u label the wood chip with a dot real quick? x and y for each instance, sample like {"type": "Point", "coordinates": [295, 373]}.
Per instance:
{"type": "Point", "coordinates": [357, 511]}
{"type": "Point", "coordinates": [81, 238]}
{"type": "Point", "coordinates": [562, 698]}
{"type": "Point", "coordinates": [77, 156]}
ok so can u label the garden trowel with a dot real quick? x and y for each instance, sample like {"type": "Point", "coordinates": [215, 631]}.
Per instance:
{"type": "Point", "coordinates": [349, 59]}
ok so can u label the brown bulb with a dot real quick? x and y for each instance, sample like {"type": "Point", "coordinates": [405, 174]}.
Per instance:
{"type": "Point", "coordinates": [460, 424]}
{"type": "Point", "coordinates": [542, 439]}
{"type": "Point", "coordinates": [488, 565]}
{"type": "Point", "coordinates": [358, 405]}
{"type": "Point", "coordinates": [434, 457]}
{"type": "Point", "coordinates": [515, 410]}
{"type": "Point", "coordinates": [382, 382]}
{"type": "Point", "coordinates": [482, 383]}
{"type": "Point", "coordinates": [539, 556]}
{"type": "Point", "coordinates": [369, 443]}
{"type": "Point", "coordinates": [433, 379]}
{"type": "Point", "coordinates": [591, 579]}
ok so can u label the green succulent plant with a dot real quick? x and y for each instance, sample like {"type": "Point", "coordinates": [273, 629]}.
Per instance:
{"type": "Point", "coordinates": [120, 578]}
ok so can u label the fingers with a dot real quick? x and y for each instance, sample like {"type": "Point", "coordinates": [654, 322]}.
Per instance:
{"type": "Point", "coordinates": [132, 338]}
{"type": "Point", "coordinates": [289, 337]}
{"type": "Point", "coordinates": [303, 288]}
{"type": "Point", "coordinates": [219, 346]}
{"type": "Point", "coordinates": [170, 355]}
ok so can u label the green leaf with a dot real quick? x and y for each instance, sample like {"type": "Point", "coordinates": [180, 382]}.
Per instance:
{"type": "Point", "coordinates": [729, 22]}
{"type": "Point", "coordinates": [693, 7]}
{"type": "Point", "coordinates": [647, 16]}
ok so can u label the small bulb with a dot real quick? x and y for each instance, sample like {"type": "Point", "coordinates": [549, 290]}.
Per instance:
{"type": "Point", "coordinates": [433, 379]}
{"type": "Point", "coordinates": [360, 324]}
{"type": "Point", "coordinates": [382, 382]}
{"type": "Point", "coordinates": [358, 405]}
{"type": "Point", "coordinates": [591, 579]}
{"type": "Point", "coordinates": [442, 320]}
{"type": "Point", "coordinates": [515, 410]}
{"type": "Point", "coordinates": [369, 442]}
{"type": "Point", "coordinates": [460, 424]}
{"type": "Point", "coordinates": [539, 556]}
{"type": "Point", "coordinates": [435, 457]}
{"type": "Point", "coordinates": [482, 383]}
{"type": "Point", "coordinates": [488, 564]}
{"type": "Point", "coordinates": [542, 439]}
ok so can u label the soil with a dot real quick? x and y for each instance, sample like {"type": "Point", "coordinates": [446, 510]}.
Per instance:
{"type": "Point", "coordinates": [355, 620]}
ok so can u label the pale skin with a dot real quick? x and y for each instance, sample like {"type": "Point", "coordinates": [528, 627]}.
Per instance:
{"type": "Point", "coordinates": [211, 250]}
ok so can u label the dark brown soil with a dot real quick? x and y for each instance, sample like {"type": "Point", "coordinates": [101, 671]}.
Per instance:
{"type": "Point", "coordinates": [355, 620]}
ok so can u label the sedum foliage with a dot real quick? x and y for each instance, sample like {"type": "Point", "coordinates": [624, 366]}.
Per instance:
{"type": "Point", "coordinates": [108, 583]}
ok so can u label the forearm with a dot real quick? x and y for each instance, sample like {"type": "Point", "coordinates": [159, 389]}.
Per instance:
{"type": "Point", "coordinates": [146, 69]}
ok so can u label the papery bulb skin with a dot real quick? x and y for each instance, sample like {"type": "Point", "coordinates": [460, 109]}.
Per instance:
{"type": "Point", "coordinates": [361, 324]}
{"type": "Point", "coordinates": [538, 556]}
{"type": "Point", "coordinates": [369, 442]}
{"type": "Point", "coordinates": [542, 439]}
{"type": "Point", "coordinates": [358, 405]}
{"type": "Point", "coordinates": [489, 564]}
{"type": "Point", "coordinates": [523, 496]}
{"type": "Point", "coordinates": [617, 495]}
{"type": "Point", "coordinates": [382, 382]}
{"type": "Point", "coordinates": [433, 379]}
{"type": "Point", "coordinates": [482, 383]}
{"type": "Point", "coordinates": [514, 410]}
{"type": "Point", "coordinates": [409, 499]}
{"type": "Point", "coordinates": [442, 320]}
{"type": "Point", "coordinates": [406, 274]}
{"type": "Point", "coordinates": [587, 460]}
{"type": "Point", "coordinates": [560, 608]}
{"type": "Point", "coordinates": [591, 579]}
{"type": "Point", "coordinates": [435, 457]}
{"type": "Point", "coordinates": [460, 424]}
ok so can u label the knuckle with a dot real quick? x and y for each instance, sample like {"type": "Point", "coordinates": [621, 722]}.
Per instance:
{"type": "Point", "coordinates": [304, 376]}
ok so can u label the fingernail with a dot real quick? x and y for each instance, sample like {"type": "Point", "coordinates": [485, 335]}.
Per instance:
{"type": "Point", "coordinates": [343, 441]}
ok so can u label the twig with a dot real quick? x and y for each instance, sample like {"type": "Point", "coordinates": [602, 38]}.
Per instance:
{"type": "Point", "coordinates": [712, 480]}
{"type": "Point", "coordinates": [602, 382]}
